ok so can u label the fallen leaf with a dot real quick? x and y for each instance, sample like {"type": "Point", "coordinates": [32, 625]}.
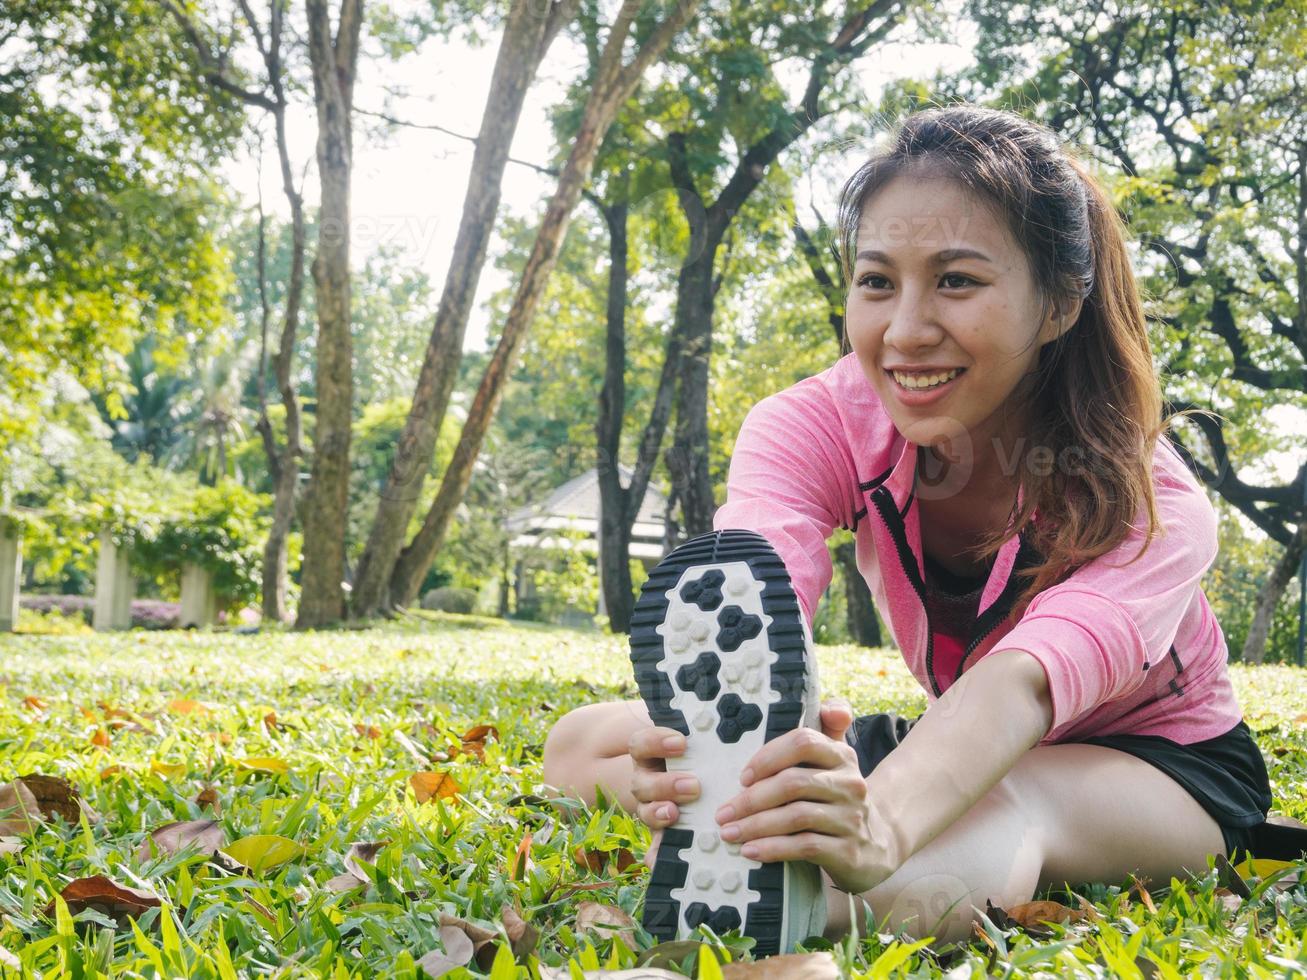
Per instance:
{"type": "Point", "coordinates": [1032, 915]}
{"type": "Point", "coordinates": [264, 763]}
{"type": "Point", "coordinates": [1143, 894]}
{"type": "Point", "coordinates": [207, 797]}
{"type": "Point", "coordinates": [101, 738]}
{"type": "Point", "coordinates": [483, 940]}
{"type": "Point", "coordinates": [270, 721]}
{"type": "Point", "coordinates": [479, 733]}
{"type": "Point", "coordinates": [788, 966]}
{"type": "Point", "coordinates": [105, 895]}
{"type": "Point", "coordinates": [605, 920]}
{"type": "Point", "coordinates": [670, 953]}
{"type": "Point", "coordinates": [186, 706]}
{"type": "Point", "coordinates": [263, 851]}
{"type": "Point", "coordinates": [366, 851]}
{"type": "Point", "coordinates": [433, 785]}
{"type": "Point", "coordinates": [522, 936]}
{"type": "Point", "coordinates": [55, 795]}
{"type": "Point", "coordinates": [521, 862]}
{"type": "Point", "coordinates": [207, 836]}
{"type": "Point", "coordinates": [371, 731]}
{"type": "Point", "coordinates": [10, 845]}
{"type": "Point", "coordinates": [33, 703]}
{"type": "Point", "coordinates": [590, 860]}
{"type": "Point", "coordinates": [19, 811]}
{"type": "Point", "coordinates": [457, 951]}
{"type": "Point", "coordinates": [1229, 900]}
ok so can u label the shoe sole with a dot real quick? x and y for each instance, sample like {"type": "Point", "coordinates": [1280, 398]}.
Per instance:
{"type": "Point", "coordinates": [720, 654]}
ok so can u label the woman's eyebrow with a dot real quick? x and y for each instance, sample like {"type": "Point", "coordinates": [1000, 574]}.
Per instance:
{"type": "Point", "coordinates": [939, 258]}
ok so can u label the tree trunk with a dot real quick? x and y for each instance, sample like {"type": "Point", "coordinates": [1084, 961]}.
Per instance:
{"type": "Point", "coordinates": [613, 85]}
{"type": "Point", "coordinates": [688, 457]}
{"type": "Point", "coordinates": [334, 63]}
{"type": "Point", "coordinates": [864, 627]}
{"type": "Point", "coordinates": [1254, 647]}
{"type": "Point", "coordinates": [527, 36]}
{"type": "Point", "coordinates": [616, 503]}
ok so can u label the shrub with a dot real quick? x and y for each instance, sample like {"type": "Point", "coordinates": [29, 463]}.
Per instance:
{"type": "Point", "coordinates": [450, 599]}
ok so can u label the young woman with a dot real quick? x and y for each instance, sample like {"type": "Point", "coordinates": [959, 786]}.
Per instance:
{"type": "Point", "coordinates": [994, 439]}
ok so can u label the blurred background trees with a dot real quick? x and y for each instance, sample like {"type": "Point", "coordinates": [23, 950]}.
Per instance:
{"type": "Point", "coordinates": [158, 325]}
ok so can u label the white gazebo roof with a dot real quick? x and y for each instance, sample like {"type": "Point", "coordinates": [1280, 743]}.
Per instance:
{"type": "Point", "coordinates": [575, 506]}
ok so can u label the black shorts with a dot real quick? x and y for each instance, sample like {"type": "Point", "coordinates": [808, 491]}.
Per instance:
{"type": "Point", "coordinates": [1226, 775]}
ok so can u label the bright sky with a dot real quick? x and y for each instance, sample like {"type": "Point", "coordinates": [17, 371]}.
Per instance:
{"type": "Point", "coordinates": [408, 188]}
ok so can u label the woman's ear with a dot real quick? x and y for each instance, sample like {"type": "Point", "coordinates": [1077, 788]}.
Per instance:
{"type": "Point", "coordinates": [1060, 319]}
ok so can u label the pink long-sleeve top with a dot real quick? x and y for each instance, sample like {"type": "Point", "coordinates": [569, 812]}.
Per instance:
{"type": "Point", "coordinates": [1128, 646]}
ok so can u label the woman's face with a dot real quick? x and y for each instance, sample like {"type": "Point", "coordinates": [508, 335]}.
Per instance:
{"type": "Point", "coordinates": [912, 309]}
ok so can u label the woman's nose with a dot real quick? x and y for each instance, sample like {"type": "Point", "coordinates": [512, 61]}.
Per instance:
{"type": "Point", "coordinates": [912, 323]}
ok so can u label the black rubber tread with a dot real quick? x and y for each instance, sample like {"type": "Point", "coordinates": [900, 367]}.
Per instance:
{"type": "Point", "coordinates": [789, 676]}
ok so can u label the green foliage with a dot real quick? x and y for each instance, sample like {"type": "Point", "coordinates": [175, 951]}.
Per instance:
{"type": "Point", "coordinates": [221, 529]}
{"type": "Point", "coordinates": [106, 202]}
{"type": "Point", "coordinates": [418, 686]}
{"type": "Point", "coordinates": [565, 577]}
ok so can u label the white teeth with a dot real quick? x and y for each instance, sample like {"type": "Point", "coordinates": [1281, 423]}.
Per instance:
{"type": "Point", "coordinates": [924, 380]}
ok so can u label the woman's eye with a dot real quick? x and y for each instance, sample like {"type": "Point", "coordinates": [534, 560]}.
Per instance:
{"type": "Point", "coordinates": [961, 281]}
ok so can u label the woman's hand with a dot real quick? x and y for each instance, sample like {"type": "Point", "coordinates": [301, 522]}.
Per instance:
{"type": "Point", "coordinates": [656, 790]}
{"type": "Point", "coordinates": [805, 799]}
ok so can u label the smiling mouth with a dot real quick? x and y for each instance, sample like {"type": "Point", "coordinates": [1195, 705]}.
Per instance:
{"type": "Point", "coordinates": [924, 382]}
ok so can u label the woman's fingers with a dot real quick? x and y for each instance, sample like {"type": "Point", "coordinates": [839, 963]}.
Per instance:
{"type": "Point", "coordinates": [800, 746]}
{"type": "Point", "coordinates": [820, 785]}
{"type": "Point", "coordinates": [659, 814]}
{"type": "Point", "coordinates": [648, 744]}
{"type": "Point", "coordinates": [648, 785]}
{"type": "Point", "coordinates": [792, 818]}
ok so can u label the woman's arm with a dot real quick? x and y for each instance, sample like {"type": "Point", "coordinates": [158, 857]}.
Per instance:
{"type": "Point", "coordinates": [805, 800]}
{"type": "Point", "coordinates": [961, 746]}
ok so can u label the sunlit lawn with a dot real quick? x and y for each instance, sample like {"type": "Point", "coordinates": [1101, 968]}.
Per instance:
{"type": "Point", "coordinates": [314, 738]}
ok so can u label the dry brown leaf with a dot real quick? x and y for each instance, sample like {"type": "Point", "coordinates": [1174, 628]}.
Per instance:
{"type": "Point", "coordinates": [343, 883]}
{"type": "Point", "coordinates": [1229, 900]}
{"type": "Point", "coordinates": [19, 812]}
{"type": "Point", "coordinates": [370, 731]}
{"type": "Point", "coordinates": [33, 703]}
{"type": "Point", "coordinates": [522, 936]}
{"type": "Point", "coordinates": [1144, 897]}
{"type": "Point", "coordinates": [208, 797]}
{"type": "Point", "coordinates": [1032, 915]}
{"type": "Point", "coordinates": [605, 920]}
{"type": "Point", "coordinates": [433, 785]}
{"type": "Point", "coordinates": [366, 851]}
{"type": "Point", "coordinates": [483, 940]}
{"type": "Point", "coordinates": [55, 795]}
{"type": "Point", "coordinates": [458, 950]}
{"type": "Point", "coordinates": [479, 733]}
{"type": "Point", "coordinates": [270, 722]}
{"type": "Point", "coordinates": [186, 706]}
{"type": "Point", "coordinates": [101, 738]}
{"type": "Point", "coordinates": [788, 966]}
{"type": "Point", "coordinates": [521, 862]}
{"type": "Point", "coordinates": [107, 896]}
{"type": "Point", "coordinates": [10, 845]}
{"type": "Point", "coordinates": [590, 860]}
{"type": "Point", "coordinates": [208, 837]}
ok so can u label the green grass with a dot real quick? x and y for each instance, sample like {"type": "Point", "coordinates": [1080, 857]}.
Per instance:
{"type": "Point", "coordinates": [412, 689]}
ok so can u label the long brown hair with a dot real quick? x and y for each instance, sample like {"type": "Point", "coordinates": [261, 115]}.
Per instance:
{"type": "Point", "coordinates": [1095, 393]}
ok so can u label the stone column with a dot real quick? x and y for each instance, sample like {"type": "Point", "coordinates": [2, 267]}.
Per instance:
{"type": "Point", "coordinates": [11, 574]}
{"type": "Point", "coordinates": [199, 602]}
{"type": "Point", "coordinates": [113, 587]}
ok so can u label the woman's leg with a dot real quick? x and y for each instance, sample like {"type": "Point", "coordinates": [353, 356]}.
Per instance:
{"type": "Point", "coordinates": [589, 745]}
{"type": "Point", "coordinates": [1065, 813]}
